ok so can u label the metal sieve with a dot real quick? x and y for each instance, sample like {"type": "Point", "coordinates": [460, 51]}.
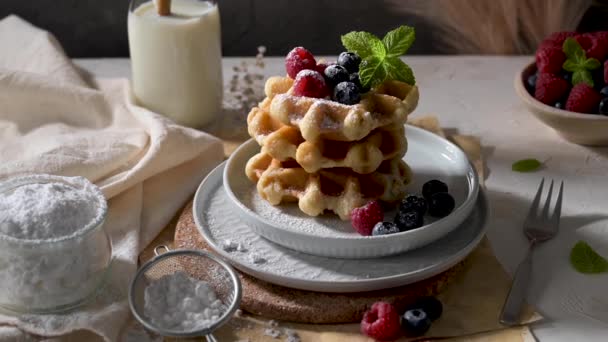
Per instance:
{"type": "Point", "coordinates": [198, 265]}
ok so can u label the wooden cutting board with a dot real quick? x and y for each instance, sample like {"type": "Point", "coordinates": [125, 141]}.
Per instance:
{"type": "Point", "coordinates": [286, 304]}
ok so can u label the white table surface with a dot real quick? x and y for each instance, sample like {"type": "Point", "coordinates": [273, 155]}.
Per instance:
{"type": "Point", "coordinates": [475, 95]}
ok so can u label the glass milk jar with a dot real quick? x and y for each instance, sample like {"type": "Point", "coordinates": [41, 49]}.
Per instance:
{"type": "Point", "coordinates": [176, 59]}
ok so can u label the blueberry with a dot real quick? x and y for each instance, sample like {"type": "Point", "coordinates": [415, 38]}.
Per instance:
{"type": "Point", "coordinates": [385, 228]}
{"type": "Point", "coordinates": [347, 93]}
{"type": "Point", "coordinates": [415, 322]}
{"type": "Point", "coordinates": [354, 77]}
{"type": "Point", "coordinates": [413, 203]}
{"type": "Point", "coordinates": [350, 61]}
{"type": "Point", "coordinates": [604, 106]}
{"type": "Point", "coordinates": [604, 92]}
{"type": "Point", "coordinates": [430, 305]}
{"type": "Point", "coordinates": [408, 220]}
{"type": "Point", "coordinates": [433, 186]}
{"type": "Point", "coordinates": [335, 74]}
{"type": "Point", "coordinates": [566, 76]}
{"type": "Point", "coordinates": [531, 83]}
{"type": "Point", "coordinates": [441, 204]}
{"type": "Point", "coordinates": [559, 105]}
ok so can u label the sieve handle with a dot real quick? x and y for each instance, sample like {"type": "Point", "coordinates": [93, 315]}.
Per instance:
{"type": "Point", "coordinates": [157, 249]}
{"type": "Point", "coordinates": [210, 338]}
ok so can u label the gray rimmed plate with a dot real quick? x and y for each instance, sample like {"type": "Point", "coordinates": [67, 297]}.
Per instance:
{"type": "Point", "coordinates": [429, 156]}
{"type": "Point", "coordinates": [217, 221]}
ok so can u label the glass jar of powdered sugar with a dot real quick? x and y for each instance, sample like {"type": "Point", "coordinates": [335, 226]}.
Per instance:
{"type": "Point", "coordinates": [54, 252]}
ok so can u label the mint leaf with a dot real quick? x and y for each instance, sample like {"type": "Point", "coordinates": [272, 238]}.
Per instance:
{"type": "Point", "coordinates": [397, 70]}
{"type": "Point", "coordinates": [399, 40]}
{"type": "Point", "coordinates": [380, 58]}
{"type": "Point", "coordinates": [570, 65]}
{"type": "Point", "coordinates": [578, 63]}
{"type": "Point", "coordinates": [591, 63]}
{"type": "Point", "coordinates": [573, 50]}
{"type": "Point", "coordinates": [526, 165]}
{"type": "Point", "coordinates": [582, 76]}
{"type": "Point", "coordinates": [585, 260]}
{"type": "Point", "coordinates": [372, 71]}
{"type": "Point", "coordinates": [378, 48]}
{"type": "Point", "coordinates": [362, 43]}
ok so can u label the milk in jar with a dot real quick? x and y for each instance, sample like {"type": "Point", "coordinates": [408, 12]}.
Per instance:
{"type": "Point", "coordinates": [176, 60]}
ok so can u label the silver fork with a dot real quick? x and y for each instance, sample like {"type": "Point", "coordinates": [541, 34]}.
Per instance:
{"type": "Point", "coordinates": [538, 227]}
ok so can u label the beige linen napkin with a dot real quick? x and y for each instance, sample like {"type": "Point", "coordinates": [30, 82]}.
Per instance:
{"type": "Point", "coordinates": [53, 121]}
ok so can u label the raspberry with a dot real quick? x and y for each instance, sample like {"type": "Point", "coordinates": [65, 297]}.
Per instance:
{"type": "Point", "coordinates": [365, 218]}
{"type": "Point", "coordinates": [550, 88]}
{"type": "Point", "coordinates": [606, 72]}
{"type": "Point", "coordinates": [310, 83]}
{"type": "Point", "coordinates": [593, 45]}
{"type": "Point", "coordinates": [299, 59]}
{"type": "Point", "coordinates": [556, 39]}
{"type": "Point", "coordinates": [381, 322]}
{"type": "Point", "coordinates": [583, 99]}
{"type": "Point", "coordinates": [550, 59]}
{"type": "Point", "coordinates": [321, 68]}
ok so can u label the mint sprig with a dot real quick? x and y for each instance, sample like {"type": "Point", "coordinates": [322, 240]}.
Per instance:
{"type": "Point", "coordinates": [380, 58]}
{"type": "Point", "coordinates": [578, 63]}
{"type": "Point", "coordinates": [585, 260]}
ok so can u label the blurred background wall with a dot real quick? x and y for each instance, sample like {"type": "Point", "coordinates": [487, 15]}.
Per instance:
{"type": "Point", "coordinates": [88, 28]}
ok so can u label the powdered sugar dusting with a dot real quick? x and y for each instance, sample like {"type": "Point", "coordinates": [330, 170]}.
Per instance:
{"type": "Point", "coordinates": [310, 73]}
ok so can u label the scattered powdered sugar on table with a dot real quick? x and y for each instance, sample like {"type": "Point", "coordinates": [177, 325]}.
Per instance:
{"type": "Point", "coordinates": [38, 272]}
{"type": "Point", "coordinates": [46, 210]}
{"type": "Point", "coordinates": [273, 330]}
{"type": "Point", "coordinates": [179, 302]}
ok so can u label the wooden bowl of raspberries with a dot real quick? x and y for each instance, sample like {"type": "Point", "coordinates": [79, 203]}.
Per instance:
{"type": "Point", "coordinates": [567, 86]}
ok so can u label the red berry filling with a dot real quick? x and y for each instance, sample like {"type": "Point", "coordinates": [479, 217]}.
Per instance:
{"type": "Point", "coordinates": [365, 218]}
{"type": "Point", "coordinates": [299, 59]}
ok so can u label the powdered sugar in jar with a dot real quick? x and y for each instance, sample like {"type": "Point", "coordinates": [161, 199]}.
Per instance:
{"type": "Point", "coordinates": [54, 252]}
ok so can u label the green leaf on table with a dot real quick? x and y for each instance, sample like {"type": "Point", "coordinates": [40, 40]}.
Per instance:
{"type": "Point", "coordinates": [526, 165]}
{"type": "Point", "coordinates": [578, 63]}
{"type": "Point", "coordinates": [362, 43]}
{"type": "Point", "coordinates": [585, 260]}
{"type": "Point", "coordinates": [399, 40]}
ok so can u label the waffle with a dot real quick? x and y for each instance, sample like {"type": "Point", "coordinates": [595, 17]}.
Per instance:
{"type": "Point", "coordinates": [339, 189]}
{"type": "Point", "coordinates": [284, 142]}
{"type": "Point", "coordinates": [387, 104]}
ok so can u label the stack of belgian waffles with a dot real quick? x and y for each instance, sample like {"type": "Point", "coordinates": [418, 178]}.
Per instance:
{"type": "Point", "coordinates": [329, 156]}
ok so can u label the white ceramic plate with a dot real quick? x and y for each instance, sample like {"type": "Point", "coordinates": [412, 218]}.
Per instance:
{"type": "Point", "coordinates": [429, 156]}
{"type": "Point", "coordinates": [216, 220]}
